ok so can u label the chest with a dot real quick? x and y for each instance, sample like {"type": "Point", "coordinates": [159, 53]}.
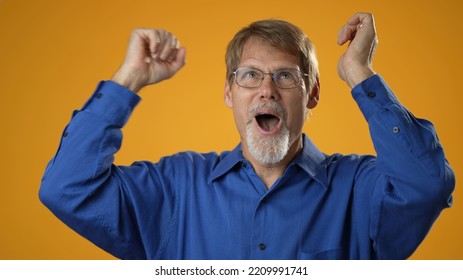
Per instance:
{"type": "Point", "coordinates": [236, 217]}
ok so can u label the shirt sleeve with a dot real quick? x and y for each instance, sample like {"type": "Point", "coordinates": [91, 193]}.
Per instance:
{"type": "Point", "coordinates": [411, 178]}
{"type": "Point", "coordinates": [82, 171]}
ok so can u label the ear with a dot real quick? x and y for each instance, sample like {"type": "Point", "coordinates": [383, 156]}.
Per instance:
{"type": "Point", "coordinates": [228, 95]}
{"type": "Point", "coordinates": [314, 96]}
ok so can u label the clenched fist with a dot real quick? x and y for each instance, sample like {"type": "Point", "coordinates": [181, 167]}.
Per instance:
{"type": "Point", "coordinates": [355, 65]}
{"type": "Point", "coordinates": [153, 55]}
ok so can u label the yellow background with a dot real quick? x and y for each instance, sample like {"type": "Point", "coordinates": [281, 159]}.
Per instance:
{"type": "Point", "coordinates": [54, 52]}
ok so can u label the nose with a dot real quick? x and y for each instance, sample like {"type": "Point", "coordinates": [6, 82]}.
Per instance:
{"type": "Point", "coordinates": [268, 89]}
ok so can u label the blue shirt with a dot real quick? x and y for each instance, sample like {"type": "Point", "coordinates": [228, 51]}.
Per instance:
{"type": "Point", "coordinates": [214, 206]}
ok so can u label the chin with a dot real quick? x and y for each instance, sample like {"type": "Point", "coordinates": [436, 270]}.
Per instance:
{"type": "Point", "coordinates": [268, 149]}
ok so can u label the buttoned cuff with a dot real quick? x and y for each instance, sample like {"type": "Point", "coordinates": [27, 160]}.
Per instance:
{"type": "Point", "coordinates": [113, 102]}
{"type": "Point", "coordinates": [372, 95]}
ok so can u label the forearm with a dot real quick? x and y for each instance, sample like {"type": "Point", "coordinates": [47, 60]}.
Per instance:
{"type": "Point", "coordinates": [404, 144]}
{"type": "Point", "coordinates": [99, 121]}
{"type": "Point", "coordinates": [412, 179]}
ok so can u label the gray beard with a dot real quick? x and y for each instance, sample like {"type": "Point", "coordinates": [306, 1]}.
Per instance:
{"type": "Point", "coordinates": [267, 149]}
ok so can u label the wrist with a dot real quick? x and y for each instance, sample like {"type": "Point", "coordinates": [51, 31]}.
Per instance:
{"type": "Point", "coordinates": [126, 80]}
{"type": "Point", "coordinates": [357, 75]}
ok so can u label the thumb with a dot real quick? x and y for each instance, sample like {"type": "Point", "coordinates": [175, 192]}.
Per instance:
{"type": "Point", "coordinates": [179, 60]}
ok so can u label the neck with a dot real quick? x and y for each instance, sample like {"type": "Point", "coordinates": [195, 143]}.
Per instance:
{"type": "Point", "coordinates": [269, 173]}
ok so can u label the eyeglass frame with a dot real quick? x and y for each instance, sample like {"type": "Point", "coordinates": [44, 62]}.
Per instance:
{"type": "Point", "coordinates": [301, 76]}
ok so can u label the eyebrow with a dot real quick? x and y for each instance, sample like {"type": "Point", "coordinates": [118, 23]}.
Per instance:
{"type": "Point", "coordinates": [277, 69]}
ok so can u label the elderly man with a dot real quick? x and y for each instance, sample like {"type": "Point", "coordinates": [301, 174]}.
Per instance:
{"type": "Point", "coordinates": [275, 196]}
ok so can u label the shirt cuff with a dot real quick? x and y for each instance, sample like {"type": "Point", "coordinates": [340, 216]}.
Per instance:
{"type": "Point", "coordinates": [112, 101]}
{"type": "Point", "coordinates": [372, 95]}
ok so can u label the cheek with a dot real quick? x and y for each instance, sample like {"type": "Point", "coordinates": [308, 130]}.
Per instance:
{"type": "Point", "coordinates": [241, 104]}
{"type": "Point", "coordinates": [297, 114]}
{"type": "Point", "coordinates": [241, 116]}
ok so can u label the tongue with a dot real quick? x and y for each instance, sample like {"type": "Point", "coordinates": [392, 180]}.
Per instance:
{"type": "Point", "coordinates": [267, 122]}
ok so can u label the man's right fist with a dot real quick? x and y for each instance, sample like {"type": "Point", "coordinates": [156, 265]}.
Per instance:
{"type": "Point", "coordinates": [153, 55]}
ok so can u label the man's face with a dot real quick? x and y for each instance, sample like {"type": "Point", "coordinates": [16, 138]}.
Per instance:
{"type": "Point", "coordinates": [269, 119]}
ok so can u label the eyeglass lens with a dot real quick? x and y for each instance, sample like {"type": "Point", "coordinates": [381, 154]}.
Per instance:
{"type": "Point", "coordinates": [253, 78]}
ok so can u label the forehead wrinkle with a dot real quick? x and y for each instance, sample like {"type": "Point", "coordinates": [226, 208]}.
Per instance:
{"type": "Point", "coordinates": [262, 55]}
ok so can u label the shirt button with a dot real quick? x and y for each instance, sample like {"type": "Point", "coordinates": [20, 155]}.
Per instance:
{"type": "Point", "coordinates": [395, 130]}
{"type": "Point", "coordinates": [243, 164]}
{"type": "Point", "coordinates": [371, 94]}
{"type": "Point", "coordinates": [65, 134]}
{"type": "Point", "coordinates": [99, 95]}
{"type": "Point", "coordinates": [261, 246]}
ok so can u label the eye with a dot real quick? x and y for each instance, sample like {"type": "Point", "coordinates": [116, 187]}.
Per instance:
{"type": "Point", "coordinates": [285, 75]}
{"type": "Point", "coordinates": [249, 74]}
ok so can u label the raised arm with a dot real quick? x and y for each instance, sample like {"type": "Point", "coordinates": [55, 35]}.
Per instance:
{"type": "Point", "coordinates": [101, 201]}
{"type": "Point", "coordinates": [409, 181]}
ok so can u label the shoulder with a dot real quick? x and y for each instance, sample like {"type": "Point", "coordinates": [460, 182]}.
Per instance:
{"type": "Point", "coordinates": [190, 161]}
{"type": "Point", "coordinates": [349, 165]}
{"type": "Point", "coordinates": [347, 159]}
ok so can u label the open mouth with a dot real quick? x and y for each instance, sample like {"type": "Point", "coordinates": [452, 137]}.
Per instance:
{"type": "Point", "coordinates": [268, 122]}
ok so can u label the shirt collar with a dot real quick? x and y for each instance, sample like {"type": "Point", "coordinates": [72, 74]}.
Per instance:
{"type": "Point", "coordinates": [228, 160]}
{"type": "Point", "coordinates": [310, 159]}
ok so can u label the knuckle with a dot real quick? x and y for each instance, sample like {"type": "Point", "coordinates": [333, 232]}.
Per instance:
{"type": "Point", "coordinates": [136, 31]}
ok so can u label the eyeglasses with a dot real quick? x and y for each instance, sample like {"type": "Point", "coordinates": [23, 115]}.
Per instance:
{"type": "Point", "coordinates": [249, 77]}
